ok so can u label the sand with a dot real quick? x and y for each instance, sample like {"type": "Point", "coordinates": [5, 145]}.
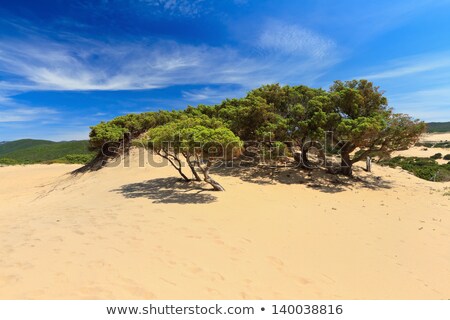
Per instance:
{"type": "Point", "coordinates": [424, 152]}
{"type": "Point", "coordinates": [138, 233]}
{"type": "Point", "coordinates": [436, 137]}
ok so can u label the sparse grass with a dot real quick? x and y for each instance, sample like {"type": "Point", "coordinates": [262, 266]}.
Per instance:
{"type": "Point", "coordinates": [447, 192]}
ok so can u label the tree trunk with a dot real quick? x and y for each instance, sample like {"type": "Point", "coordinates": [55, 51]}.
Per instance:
{"type": "Point", "coordinates": [183, 175]}
{"type": "Point", "coordinates": [207, 178]}
{"type": "Point", "coordinates": [216, 186]}
{"type": "Point", "coordinates": [95, 164]}
{"type": "Point", "coordinates": [177, 166]}
{"type": "Point", "coordinates": [346, 164]}
{"type": "Point", "coordinates": [192, 167]}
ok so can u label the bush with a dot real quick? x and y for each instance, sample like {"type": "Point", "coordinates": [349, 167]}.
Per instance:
{"type": "Point", "coordinates": [105, 132]}
{"type": "Point", "coordinates": [8, 161]}
{"type": "Point", "coordinates": [424, 168]}
{"type": "Point", "coordinates": [437, 156]}
{"type": "Point", "coordinates": [447, 157]}
{"type": "Point", "coordinates": [445, 144]}
{"type": "Point", "coordinates": [75, 158]}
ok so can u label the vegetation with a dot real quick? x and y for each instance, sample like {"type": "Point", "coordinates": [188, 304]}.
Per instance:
{"type": "Point", "coordinates": [351, 120]}
{"type": "Point", "coordinates": [438, 127]}
{"type": "Point", "coordinates": [424, 168]}
{"type": "Point", "coordinates": [436, 156]}
{"type": "Point", "coordinates": [28, 151]}
{"type": "Point", "coordinates": [444, 144]}
{"type": "Point", "coordinates": [8, 161]}
{"type": "Point", "coordinates": [447, 157]}
{"type": "Point", "coordinates": [201, 141]}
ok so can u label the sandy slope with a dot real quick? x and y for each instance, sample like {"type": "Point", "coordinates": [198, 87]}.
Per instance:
{"type": "Point", "coordinates": [424, 153]}
{"type": "Point", "coordinates": [137, 233]}
{"type": "Point", "coordinates": [436, 137]}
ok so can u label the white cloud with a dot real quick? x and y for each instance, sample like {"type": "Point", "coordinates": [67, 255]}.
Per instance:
{"type": "Point", "coordinates": [12, 111]}
{"type": "Point", "coordinates": [212, 95]}
{"type": "Point", "coordinates": [411, 65]}
{"type": "Point", "coordinates": [40, 64]}
{"type": "Point", "coordinates": [418, 85]}
{"type": "Point", "coordinates": [293, 39]}
{"type": "Point", "coordinates": [429, 105]}
{"type": "Point", "coordinates": [178, 7]}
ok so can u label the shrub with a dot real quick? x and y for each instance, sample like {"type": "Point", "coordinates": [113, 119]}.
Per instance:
{"type": "Point", "coordinates": [105, 132]}
{"type": "Point", "coordinates": [436, 156]}
{"type": "Point", "coordinates": [424, 168]}
{"type": "Point", "coordinates": [76, 158]}
{"type": "Point", "coordinates": [8, 161]}
{"type": "Point", "coordinates": [447, 157]}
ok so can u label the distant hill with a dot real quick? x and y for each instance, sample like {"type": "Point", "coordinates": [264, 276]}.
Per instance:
{"type": "Point", "coordinates": [38, 151]}
{"type": "Point", "coordinates": [438, 126]}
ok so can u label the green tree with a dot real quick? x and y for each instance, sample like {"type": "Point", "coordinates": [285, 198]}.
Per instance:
{"type": "Point", "coordinates": [366, 125]}
{"type": "Point", "coordinates": [199, 140]}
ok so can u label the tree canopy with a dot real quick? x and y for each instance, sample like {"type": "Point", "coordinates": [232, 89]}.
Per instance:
{"type": "Point", "coordinates": [352, 120]}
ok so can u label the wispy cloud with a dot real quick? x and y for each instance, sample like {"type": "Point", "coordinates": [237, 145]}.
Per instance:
{"type": "Point", "coordinates": [295, 40]}
{"type": "Point", "coordinates": [411, 65]}
{"type": "Point", "coordinates": [41, 64]}
{"type": "Point", "coordinates": [212, 95]}
{"type": "Point", "coordinates": [12, 111]}
{"type": "Point", "coordinates": [430, 104]}
{"type": "Point", "coordinates": [178, 7]}
{"type": "Point", "coordinates": [417, 84]}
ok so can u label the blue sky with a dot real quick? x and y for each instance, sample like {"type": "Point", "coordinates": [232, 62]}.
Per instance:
{"type": "Point", "coordinates": [66, 65]}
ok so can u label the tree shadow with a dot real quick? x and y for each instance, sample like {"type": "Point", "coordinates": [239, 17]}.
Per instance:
{"type": "Point", "coordinates": [317, 179]}
{"type": "Point", "coordinates": [167, 190]}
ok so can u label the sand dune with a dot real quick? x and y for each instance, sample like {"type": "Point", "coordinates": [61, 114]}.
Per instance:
{"type": "Point", "coordinates": [423, 153]}
{"type": "Point", "coordinates": [436, 137]}
{"type": "Point", "coordinates": [139, 233]}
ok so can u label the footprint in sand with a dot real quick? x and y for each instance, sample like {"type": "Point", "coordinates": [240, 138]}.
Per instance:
{"type": "Point", "coordinates": [276, 262]}
{"type": "Point", "coordinates": [4, 280]}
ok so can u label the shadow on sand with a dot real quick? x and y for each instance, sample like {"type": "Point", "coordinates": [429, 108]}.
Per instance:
{"type": "Point", "coordinates": [167, 190]}
{"type": "Point", "coordinates": [317, 179]}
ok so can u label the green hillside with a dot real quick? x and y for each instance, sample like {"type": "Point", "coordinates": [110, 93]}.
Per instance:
{"type": "Point", "coordinates": [438, 126]}
{"type": "Point", "coordinates": [11, 146]}
{"type": "Point", "coordinates": [44, 151]}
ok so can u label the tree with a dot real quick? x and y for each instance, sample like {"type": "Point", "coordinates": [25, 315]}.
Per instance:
{"type": "Point", "coordinates": [200, 140]}
{"type": "Point", "coordinates": [107, 139]}
{"type": "Point", "coordinates": [209, 146]}
{"type": "Point", "coordinates": [366, 125]}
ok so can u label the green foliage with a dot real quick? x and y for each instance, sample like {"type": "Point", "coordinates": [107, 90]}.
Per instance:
{"type": "Point", "coordinates": [75, 158]}
{"type": "Point", "coordinates": [447, 157]}
{"type": "Point", "coordinates": [438, 127]}
{"type": "Point", "coordinates": [105, 132]}
{"type": "Point", "coordinates": [192, 135]}
{"type": "Point", "coordinates": [367, 124]}
{"type": "Point", "coordinates": [132, 124]}
{"type": "Point", "coordinates": [251, 118]}
{"type": "Point", "coordinates": [356, 112]}
{"type": "Point", "coordinates": [37, 151]}
{"type": "Point", "coordinates": [8, 161]}
{"type": "Point", "coordinates": [436, 156]}
{"type": "Point", "coordinates": [11, 146]}
{"type": "Point", "coordinates": [444, 144]}
{"type": "Point", "coordinates": [424, 168]}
